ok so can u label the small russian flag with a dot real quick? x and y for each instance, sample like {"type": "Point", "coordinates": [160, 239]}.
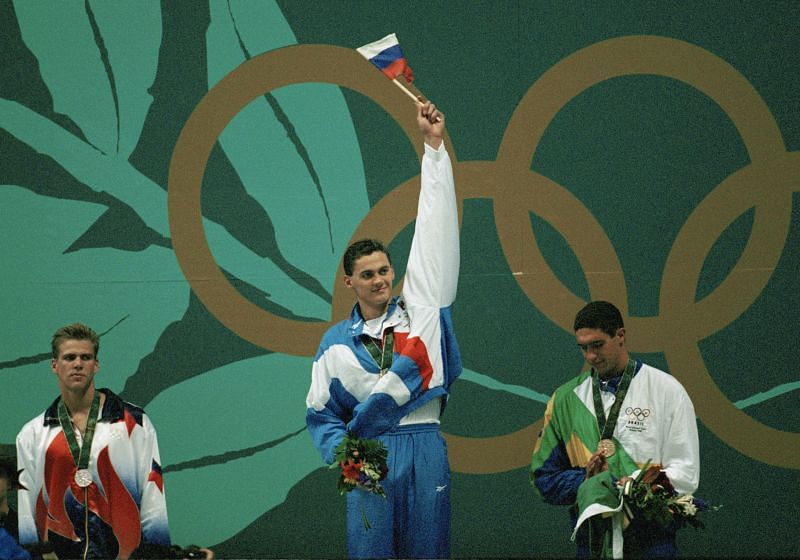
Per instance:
{"type": "Point", "coordinates": [388, 57]}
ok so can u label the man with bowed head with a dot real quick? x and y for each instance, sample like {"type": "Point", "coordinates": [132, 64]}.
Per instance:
{"type": "Point", "coordinates": [89, 447]}
{"type": "Point", "coordinates": [385, 371]}
{"type": "Point", "coordinates": [615, 418]}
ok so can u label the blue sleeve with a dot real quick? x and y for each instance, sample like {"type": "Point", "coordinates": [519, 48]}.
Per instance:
{"type": "Point", "coordinates": [328, 424]}
{"type": "Point", "coordinates": [10, 549]}
{"type": "Point", "coordinates": [556, 479]}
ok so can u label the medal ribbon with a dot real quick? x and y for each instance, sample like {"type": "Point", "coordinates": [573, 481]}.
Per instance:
{"type": "Point", "coordinates": [81, 459]}
{"type": "Point", "coordinates": [607, 429]}
{"type": "Point", "coordinates": [382, 356]}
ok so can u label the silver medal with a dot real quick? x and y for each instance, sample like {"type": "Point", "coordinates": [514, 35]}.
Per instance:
{"type": "Point", "coordinates": [83, 477]}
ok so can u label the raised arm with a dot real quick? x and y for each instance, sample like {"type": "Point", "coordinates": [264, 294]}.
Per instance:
{"type": "Point", "coordinates": [428, 360]}
{"type": "Point", "coordinates": [432, 270]}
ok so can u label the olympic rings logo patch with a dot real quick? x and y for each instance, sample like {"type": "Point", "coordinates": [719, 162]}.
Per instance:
{"type": "Point", "coordinates": [638, 414]}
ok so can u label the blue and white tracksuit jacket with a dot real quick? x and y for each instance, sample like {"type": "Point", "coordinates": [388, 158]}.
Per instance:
{"type": "Point", "coordinates": [347, 392]}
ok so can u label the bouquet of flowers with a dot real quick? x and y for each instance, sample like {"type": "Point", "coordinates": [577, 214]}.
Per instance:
{"type": "Point", "coordinates": [652, 495]}
{"type": "Point", "coordinates": [363, 465]}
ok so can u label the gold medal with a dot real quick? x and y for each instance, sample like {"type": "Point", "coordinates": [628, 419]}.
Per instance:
{"type": "Point", "coordinates": [606, 448]}
{"type": "Point", "coordinates": [83, 477]}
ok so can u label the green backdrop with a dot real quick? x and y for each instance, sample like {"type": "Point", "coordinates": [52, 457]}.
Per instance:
{"type": "Point", "coordinates": [184, 177]}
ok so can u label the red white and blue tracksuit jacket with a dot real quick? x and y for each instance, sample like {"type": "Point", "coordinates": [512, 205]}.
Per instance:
{"type": "Point", "coordinates": [347, 391]}
{"type": "Point", "coordinates": [126, 500]}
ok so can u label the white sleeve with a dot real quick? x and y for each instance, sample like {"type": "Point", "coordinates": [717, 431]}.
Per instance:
{"type": "Point", "coordinates": [681, 457]}
{"type": "Point", "coordinates": [433, 261]}
{"type": "Point", "coordinates": [29, 485]}
{"type": "Point", "coordinates": [153, 509]}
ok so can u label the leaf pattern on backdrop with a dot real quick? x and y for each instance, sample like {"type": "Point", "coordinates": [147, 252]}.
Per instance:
{"type": "Point", "coordinates": [99, 75]}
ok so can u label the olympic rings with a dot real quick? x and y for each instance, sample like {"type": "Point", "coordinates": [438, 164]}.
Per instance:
{"type": "Point", "coordinates": [261, 74]}
{"type": "Point", "coordinates": [766, 184]}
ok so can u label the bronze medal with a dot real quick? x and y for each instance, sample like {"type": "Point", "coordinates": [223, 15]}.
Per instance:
{"type": "Point", "coordinates": [606, 424]}
{"type": "Point", "coordinates": [83, 477]}
{"type": "Point", "coordinates": [606, 448]}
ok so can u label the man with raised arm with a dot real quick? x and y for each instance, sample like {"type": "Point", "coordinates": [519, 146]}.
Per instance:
{"type": "Point", "coordinates": [385, 371]}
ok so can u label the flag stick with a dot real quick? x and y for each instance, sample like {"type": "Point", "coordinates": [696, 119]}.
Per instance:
{"type": "Point", "coordinates": [410, 94]}
{"type": "Point", "coordinates": [407, 91]}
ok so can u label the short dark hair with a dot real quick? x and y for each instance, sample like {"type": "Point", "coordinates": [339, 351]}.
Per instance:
{"type": "Point", "coordinates": [599, 315]}
{"type": "Point", "coordinates": [362, 248]}
{"type": "Point", "coordinates": [75, 331]}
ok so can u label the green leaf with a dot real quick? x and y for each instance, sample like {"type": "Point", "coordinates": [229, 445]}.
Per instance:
{"type": "Point", "coordinates": [96, 286]}
{"type": "Point", "coordinates": [100, 67]}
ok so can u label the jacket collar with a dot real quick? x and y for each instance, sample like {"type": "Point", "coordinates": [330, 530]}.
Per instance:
{"type": "Point", "coordinates": [394, 316]}
{"type": "Point", "coordinates": [113, 409]}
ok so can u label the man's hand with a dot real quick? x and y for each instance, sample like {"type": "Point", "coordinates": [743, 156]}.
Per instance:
{"type": "Point", "coordinates": [431, 123]}
{"type": "Point", "coordinates": [622, 481]}
{"type": "Point", "coordinates": [597, 464]}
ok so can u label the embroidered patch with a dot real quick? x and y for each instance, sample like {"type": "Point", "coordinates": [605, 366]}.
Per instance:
{"type": "Point", "coordinates": [637, 418]}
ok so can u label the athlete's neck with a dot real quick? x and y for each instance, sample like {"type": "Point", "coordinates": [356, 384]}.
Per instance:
{"type": "Point", "coordinates": [616, 372]}
{"type": "Point", "coordinates": [79, 402]}
{"type": "Point", "coordinates": [368, 313]}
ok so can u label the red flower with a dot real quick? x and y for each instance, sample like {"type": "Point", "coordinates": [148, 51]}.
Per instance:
{"type": "Point", "coordinates": [657, 478]}
{"type": "Point", "coordinates": [350, 469]}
